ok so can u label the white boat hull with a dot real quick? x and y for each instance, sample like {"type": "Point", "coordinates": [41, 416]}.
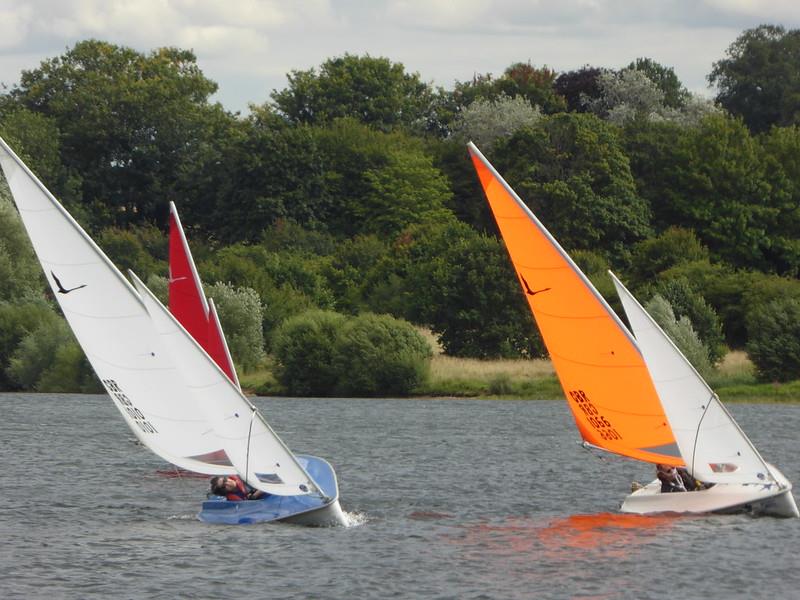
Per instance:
{"type": "Point", "coordinates": [771, 499]}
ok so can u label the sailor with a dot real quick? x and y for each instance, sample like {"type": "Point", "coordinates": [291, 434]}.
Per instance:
{"type": "Point", "coordinates": [234, 489]}
{"type": "Point", "coordinates": [671, 480]}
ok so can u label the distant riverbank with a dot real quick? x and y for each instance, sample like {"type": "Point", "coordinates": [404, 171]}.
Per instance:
{"type": "Point", "coordinates": [451, 377]}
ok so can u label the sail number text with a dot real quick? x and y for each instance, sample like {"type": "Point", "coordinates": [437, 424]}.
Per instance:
{"type": "Point", "coordinates": [602, 425]}
{"type": "Point", "coordinates": [133, 412]}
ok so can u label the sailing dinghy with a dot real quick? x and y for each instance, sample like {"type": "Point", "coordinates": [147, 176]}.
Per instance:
{"type": "Point", "coordinates": [198, 316]}
{"type": "Point", "coordinates": [602, 372]}
{"type": "Point", "coordinates": [712, 444]}
{"type": "Point", "coordinates": [122, 332]}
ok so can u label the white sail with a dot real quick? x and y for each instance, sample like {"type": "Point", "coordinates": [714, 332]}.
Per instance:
{"type": "Point", "coordinates": [114, 329]}
{"type": "Point", "coordinates": [255, 450]}
{"type": "Point", "coordinates": [713, 446]}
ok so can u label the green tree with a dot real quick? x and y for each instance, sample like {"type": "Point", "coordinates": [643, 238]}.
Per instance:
{"type": "Point", "coordinates": [687, 302]}
{"type": "Point", "coordinates": [305, 354]}
{"type": "Point", "coordinates": [48, 359]}
{"type": "Point", "coordinates": [657, 254]}
{"type": "Point", "coordinates": [760, 78]}
{"type": "Point", "coordinates": [461, 284]}
{"type": "Point", "coordinates": [573, 173]}
{"type": "Point", "coordinates": [534, 84]}
{"type": "Point", "coordinates": [378, 182]}
{"type": "Point", "coordinates": [379, 355]}
{"type": "Point", "coordinates": [774, 339]}
{"type": "Point", "coordinates": [19, 270]}
{"type": "Point", "coordinates": [681, 332]}
{"type": "Point", "coordinates": [485, 121]}
{"type": "Point", "coordinates": [579, 88]}
{"type": "Point", "coordinates": [17, 321]}
{"type": "Point", "coordinates": [129, 123]}
{"type": "Point", "coordinates": [240, 314]}
{"type": "Point", "coordinates": [144, 250]}
{"type": "Point", "coordinates": [374, 91]}
{"type": "Point", "coordinates": [781, 157]}
{"type": "Point", "coordinates": [665, 79]}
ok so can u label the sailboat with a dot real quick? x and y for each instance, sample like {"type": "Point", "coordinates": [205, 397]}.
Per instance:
{"type": "Point", "coordinates": [714, 447]}
{"type": "Point", "coordinates": [173, 396]}
{"type": "Point", "coordinates": [603, 373]}
{"type": "Point", "coordinates": [198, 316]}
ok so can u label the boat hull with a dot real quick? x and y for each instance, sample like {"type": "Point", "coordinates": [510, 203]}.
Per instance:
{"type": "Point", "coordinates": [757, 499]}
{"type": "Point", "coordinates": [303, 509]}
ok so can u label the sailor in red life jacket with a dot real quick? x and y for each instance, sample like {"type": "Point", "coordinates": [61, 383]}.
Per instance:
{"type": "Point", "coordinates": [234, 489]}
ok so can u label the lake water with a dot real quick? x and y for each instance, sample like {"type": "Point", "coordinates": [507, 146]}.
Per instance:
{"type": "Point", "coordinates": [448, 499]}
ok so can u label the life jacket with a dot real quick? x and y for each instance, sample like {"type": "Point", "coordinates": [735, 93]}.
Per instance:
{"type": "Point", "coordinates": [241, 490]}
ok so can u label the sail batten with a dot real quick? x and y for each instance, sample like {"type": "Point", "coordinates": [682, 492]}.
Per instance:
{"type": "Point", "coordinates": [601, 371]}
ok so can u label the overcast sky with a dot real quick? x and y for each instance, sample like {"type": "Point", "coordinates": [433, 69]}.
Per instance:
{"type": "Point", "coordinates": [248, 46]}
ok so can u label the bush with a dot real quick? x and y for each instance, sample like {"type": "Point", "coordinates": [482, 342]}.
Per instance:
{"type": "Point", "coordinates": [774, 339]}
{"type": "Point", "coordinates": [304, 350]}
{"type": "Point", "coordinates": [378, 355]}
{"type": "Point", "coordinates": [681, 333]}
{"type": "Point", "coordinates": [686, 302]}
{"type": "Point", "coordinates": [49, 360]}
{"type": "Point", "coordinates": [240, 314]}
{"type": "Point", "coordinates": [322, 353]}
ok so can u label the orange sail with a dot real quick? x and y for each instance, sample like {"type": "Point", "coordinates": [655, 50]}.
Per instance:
{"type": "Point", "coordinates": [605, 380]}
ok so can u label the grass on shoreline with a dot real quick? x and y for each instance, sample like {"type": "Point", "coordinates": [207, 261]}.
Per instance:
{"type": "Point", "coordinates": [451, 377]}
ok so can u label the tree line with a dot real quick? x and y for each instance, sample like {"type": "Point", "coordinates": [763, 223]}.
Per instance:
{"type": "Point", "coordinates": [350, 191]}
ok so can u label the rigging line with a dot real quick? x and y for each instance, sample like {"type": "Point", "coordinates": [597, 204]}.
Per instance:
{"type": "Point", "coordinates": [697, 431]}
{"type": "Point", "coordinates": [249, 434]}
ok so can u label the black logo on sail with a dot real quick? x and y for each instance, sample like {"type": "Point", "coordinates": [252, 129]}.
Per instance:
{"type": "Point", "coordinates": [528, 289]}
{"type": "Point", "coordinates": [62, 289]}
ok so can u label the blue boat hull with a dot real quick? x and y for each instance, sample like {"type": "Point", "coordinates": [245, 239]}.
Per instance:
{"type": "Point", "coordinates": [304, 509]}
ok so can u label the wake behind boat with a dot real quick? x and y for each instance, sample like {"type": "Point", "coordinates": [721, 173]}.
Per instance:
{"type": "Point", "coordinates": [618, 406]}
{"type": "Point", "coordinates": [172, 395]}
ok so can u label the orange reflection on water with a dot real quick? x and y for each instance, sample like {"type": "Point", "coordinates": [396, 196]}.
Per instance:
{"type": "Point", "coordinates": [560, 538]}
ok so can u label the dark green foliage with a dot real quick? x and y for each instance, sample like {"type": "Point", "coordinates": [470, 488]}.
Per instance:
{"type": "Point", "coordinates": [781, 156]}
{"type": "Point", "coordinates": [324, 353]}
{"type": "Point", "coordinates": [461, 284]}
{"type": "Point", "coordinates": [377, 182]}
{"type": "Point", "coordinates": [17, 321]}
{"type": "Point", "coordinates": [572, 172]}
{"type": "Point", "coordinates": [657, 254]}
{"type": "Point", "coordinates": [128, 124]}
{"type": "Point", "coordinates": [774, 339]}
{"type": "Point", "coordinates": [303, 346]}
{"type": "Point", "coordinates": [48, 359]}
{"type": "Point", "coordinates": [143, 250]}
{"type": "Point", "coordinates": [378, 355]}
{"type": "Point", "coordinates": [760, 78]}
{"type": "Point", "coordinates": [375, 91]}
{"type": "Point", "coordinates": [20, 273]}
{"type": "Point", "coordinates": [710, 179]}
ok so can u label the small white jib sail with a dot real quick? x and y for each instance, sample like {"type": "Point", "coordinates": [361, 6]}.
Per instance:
{"type": "Point", "coordinates": [711, 443]}
{"type": "Point", "coordinates": [255, 450]}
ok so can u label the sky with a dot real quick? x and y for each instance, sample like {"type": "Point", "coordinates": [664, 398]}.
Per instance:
{"type": "Point", "coordinates": [249, 46]}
